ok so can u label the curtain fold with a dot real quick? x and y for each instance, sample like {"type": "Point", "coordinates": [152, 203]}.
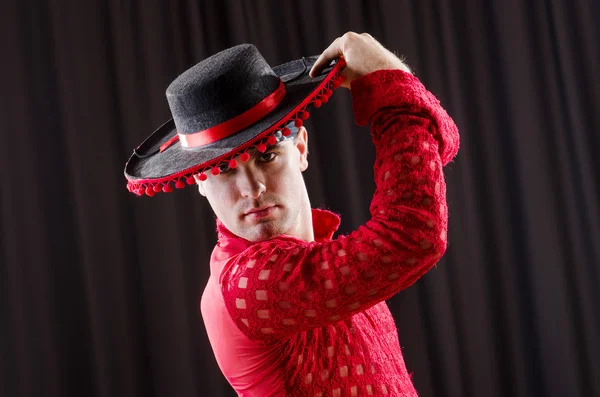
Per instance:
{"type": "Point", "coordinates": [100, 289]}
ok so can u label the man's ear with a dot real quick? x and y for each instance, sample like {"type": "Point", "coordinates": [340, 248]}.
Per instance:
{"type": "Point", "coordinates": [302, 146]}
{"type": "Point", "coordinates": [200, 185]}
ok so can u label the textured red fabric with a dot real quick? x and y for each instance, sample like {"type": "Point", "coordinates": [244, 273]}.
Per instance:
{"type": "Point", "coordinates": [314, 313]}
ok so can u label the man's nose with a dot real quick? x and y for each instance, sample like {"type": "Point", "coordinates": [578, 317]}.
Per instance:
{"type": "Point", "coordinates": [250, 184]}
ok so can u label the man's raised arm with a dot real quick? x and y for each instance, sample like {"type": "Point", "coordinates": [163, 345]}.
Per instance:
{"type": "Point", "coordinates": [282, 286]}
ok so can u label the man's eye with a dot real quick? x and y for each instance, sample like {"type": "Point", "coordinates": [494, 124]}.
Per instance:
{"type": "Point", "coordinates": [265, 158]}
{"type": "Point", "coordinates": [268, 156]}
{"type": "Point", "coordinates": [224, 168]}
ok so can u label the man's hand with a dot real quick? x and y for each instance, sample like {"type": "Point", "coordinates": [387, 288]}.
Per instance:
{"type": "Point", "coordinates": [362, 53]}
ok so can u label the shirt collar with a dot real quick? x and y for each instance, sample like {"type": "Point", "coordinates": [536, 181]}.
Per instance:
{"type": "Point", "coordinates": [325, 224]}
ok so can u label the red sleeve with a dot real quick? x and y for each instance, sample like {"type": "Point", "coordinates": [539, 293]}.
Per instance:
{"type": "Point", "coordinates": [282, 286]}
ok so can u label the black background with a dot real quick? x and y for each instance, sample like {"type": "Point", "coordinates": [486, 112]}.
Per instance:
{"type": "Point", "coordinates": [100, 289]}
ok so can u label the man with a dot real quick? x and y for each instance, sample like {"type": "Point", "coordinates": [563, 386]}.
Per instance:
{"type": "Point", "coordinates": [288, 310]}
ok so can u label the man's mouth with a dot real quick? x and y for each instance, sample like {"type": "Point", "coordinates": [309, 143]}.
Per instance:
{"type": "Point", "coordinates": [260, 212]}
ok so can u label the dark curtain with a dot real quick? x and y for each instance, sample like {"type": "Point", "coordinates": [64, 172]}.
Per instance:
{"type": "Point", "coordinates": [100, 289]}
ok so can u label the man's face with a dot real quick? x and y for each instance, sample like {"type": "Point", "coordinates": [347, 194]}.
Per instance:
{"type": "Point", "coordinates": [261, 198]}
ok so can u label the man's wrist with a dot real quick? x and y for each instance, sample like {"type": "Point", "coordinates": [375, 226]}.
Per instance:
{"type": "Point", "coordinates": [390, 66]}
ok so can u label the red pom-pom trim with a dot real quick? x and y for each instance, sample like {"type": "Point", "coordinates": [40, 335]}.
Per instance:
{"type": "Point", "coordinates": [298, 123]}
{"type": "Point", "coordinates": [304, 115]}
{"type": "Point", "coordinates": [202, 176]}
{"type": "Point", "coordinates": [149, 191]}
{"type": "Point", "coordinates": [157, 188]}
{"type": "Point", "coordinates": [317, 103]}
{"type": "Point", "coordinates": [272, 140]}
{"type": "Point", "coordinates": [179, 185]}
{"type": "Point", "coordinates": [167, 188]}
{"type": "Point", "coordinates": [190, 180]}
{"type": "Point", "coordinates": [215, 171]}
{"type": "Point", "coordinates": [286, 131]}
{"type": "Point", "coordinates": [244, 157]}
{"type": "Point", "coordinates": [262, 148]}
{"type": "Point", "coordinates": [232, 163]}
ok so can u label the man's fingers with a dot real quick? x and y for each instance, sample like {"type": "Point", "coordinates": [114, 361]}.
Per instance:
{"type": "Point", "coordinates": [332, 52]}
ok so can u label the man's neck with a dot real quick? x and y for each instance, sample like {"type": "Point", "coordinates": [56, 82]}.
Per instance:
{"type": "Point", "coordinates": [303, 229]}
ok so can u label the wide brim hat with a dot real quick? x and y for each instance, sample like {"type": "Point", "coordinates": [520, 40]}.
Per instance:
{"type": "Point", "coordinates": [222, 108]}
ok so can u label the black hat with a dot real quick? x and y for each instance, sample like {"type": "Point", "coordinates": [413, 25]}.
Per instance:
{"type": "Point", "coordinates": [223, 107]}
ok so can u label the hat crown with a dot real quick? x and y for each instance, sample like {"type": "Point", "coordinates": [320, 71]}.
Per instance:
{"type": "Point", "coordinates": [220, 88]}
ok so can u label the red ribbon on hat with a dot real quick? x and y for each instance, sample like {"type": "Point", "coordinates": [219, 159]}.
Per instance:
{"type": "Point", "coordinates": [230, 126]}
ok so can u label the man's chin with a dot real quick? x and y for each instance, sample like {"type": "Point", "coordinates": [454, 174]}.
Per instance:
{"type": "Point", "coordinates": [263, 231]}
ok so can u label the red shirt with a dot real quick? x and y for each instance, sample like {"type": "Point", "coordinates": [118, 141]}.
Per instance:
{"type": "Point", "coordinates": [286, 317]}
